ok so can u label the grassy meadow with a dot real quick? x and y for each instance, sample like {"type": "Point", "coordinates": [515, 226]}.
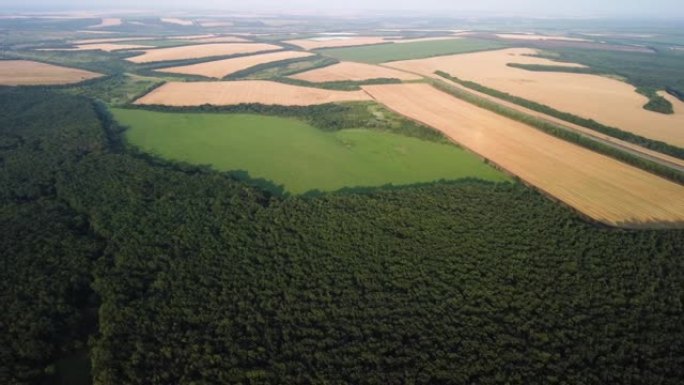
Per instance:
{"type": "Point", "coordinates": [417, 50]}
{"type": "Point", "coordinates": [295, 155]}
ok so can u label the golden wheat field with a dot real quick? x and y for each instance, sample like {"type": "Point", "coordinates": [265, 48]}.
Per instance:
{"type": "Point", "coordinates": [247, 91]}
{"type": "Point", "coordinates": [26, 73]}
{"type": "Point", "coordinates": [603, 99]}
{"type": "Point", "coordinates": [598, 186]}
{"type": "Point", "coordinates": [354, 72]}
{"type": "Point", "coordinates": [110, 40]}
{"type": "Point", "coordinates": [200, 51]}
{"type": "Point", "coordinates": [336, 42]}
{"type": "Point", "coordinates": [221, 68]}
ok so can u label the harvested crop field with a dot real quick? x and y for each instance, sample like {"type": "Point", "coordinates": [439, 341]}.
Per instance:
{"type": "Point", "coordinates": [333, 42]}
{"type": "Point", "coordinates": [200, 51]}
{"type": "Point", "coordinates": [248, 91]}
{"type": "Point", "coordinates": [598, 186]}
{"type": "Point", "coordinates": [603, 99]}
{"type": "Point", "coordinates": [220, 39]}
{"type": "Point", "coordinates": [107, 47]}
{"type": "Point", "coordinates": [353, 72]}
{"type": "Point", "coordinates": [421, 39]}
{"type": "Point", "coordinates": [26, 73]}
{"type": "Point", "coordinates": [222, 68]}
{"type": "Point", "coordinates": [110, 40]}
{"type": "Point", "coordinates": [531, 36]}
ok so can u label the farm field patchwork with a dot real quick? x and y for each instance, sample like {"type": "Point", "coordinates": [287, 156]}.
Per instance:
{"type": "Point", "coordinates": [405, 51]}
{"type": "Point", "coordinates": [603, 99]}
{"type": "Point", "coordinates": [353, 72]}
{"type": "Point", "coordinates": [221, 68]}
{"type": "Point", "coordinates": [27, 73]}
{"type": "Point", "coordinates": [247, 91]}
{"type": "Point", "coordinates": [109, 40]}
{"type": "Point", "coordinates": [107, 47]}
{"type": "Point", "coordinates": [533, 36]}
{"type": "Point", "coordinates": [200, 51]}
{"type": "Point", "coordinates": [598, 186]}
{"type": "Point", "coordinates": [341, 41]}
{"type": "Point", "coordinates": [296, 155]}
{"type": "Point", "coordinates": [108, 22]}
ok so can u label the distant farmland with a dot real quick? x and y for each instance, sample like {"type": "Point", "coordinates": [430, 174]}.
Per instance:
{"type": "Point", "coordinates": [296, 155]}
{"type": "Point", "coordinates": [404, 51]}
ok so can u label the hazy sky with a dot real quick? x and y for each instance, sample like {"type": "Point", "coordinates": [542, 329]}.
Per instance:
{"type": "Point", "coordinates": [634, 8]}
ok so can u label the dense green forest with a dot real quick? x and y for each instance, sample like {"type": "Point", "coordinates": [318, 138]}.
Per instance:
{"type": "Point", "coordinates": [201, 279]}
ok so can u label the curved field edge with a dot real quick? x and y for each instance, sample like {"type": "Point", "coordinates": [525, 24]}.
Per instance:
{"type": "Point", "coordinates": [295, 156]}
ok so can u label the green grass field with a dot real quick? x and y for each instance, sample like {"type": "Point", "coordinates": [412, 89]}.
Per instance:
{"type": "Point", "coordinates": [297, 156]}
{"type": "Point", "coordinates": [417, 50]}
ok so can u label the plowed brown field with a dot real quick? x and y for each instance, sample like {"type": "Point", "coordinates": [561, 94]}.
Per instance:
{"type": "Point", "coordinates": [249, 91]}
{"type": "Point", "coordinates": [598, 186]}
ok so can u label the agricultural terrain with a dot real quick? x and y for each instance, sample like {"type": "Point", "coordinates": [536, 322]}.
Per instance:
{"type": "Point", "coordinates": [343, 198]}
{"type": "Point", "coordinates": [240, 92]}
{"type": "Point", "coordinates": [601, 98]}
{"type": "Point", "coordinates": [298, 156]}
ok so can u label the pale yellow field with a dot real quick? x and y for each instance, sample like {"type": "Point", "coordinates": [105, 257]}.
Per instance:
{"type": "Point", "coordinates": [598, 186]}
{"type": "Point", "coordinates": [24, 72]}
{"type": "Point", "coordinates": [221, 68]}
{"type": "Point", "coordinates": [220, 39]}
{"type": "Point", "coordinates": [353, 71]}
{"type": "Point", "coordinates": [249, 91]}
{"type": "Point", "coordinates": [108, 22]}
{"type": "Point", "coordinates": [107, 47]}
{"type": "Point", "coordinates": [603, 99]}
{"type": "Point", "coordinates": [200, 51]}
{"type": "Point", "coordinates": [334, 42]}
{"type": "Point", "coordinates": [109, 40]}
{"type": "Point", "coordinates": [209, 24]}
{"type": "Point", "coordinates": [400, 41]}
{"type": "Point", "coordinates": [173, 20]}
{"type": "Point", "coordinates": [530, 36]}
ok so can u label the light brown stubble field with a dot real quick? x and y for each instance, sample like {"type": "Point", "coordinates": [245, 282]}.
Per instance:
{"type": "Point", "coordinates": [354, 72]}
{"type": "Point", "coordinates": [310, 44]}
{"type": "Point", "coordinates": [200, 51]}
{"type": "Point", "coordinates": [222, 68]}
{"type": "Point", "coordinates": [25, 73]}
{"type": "Point", "coordinates": [598, 186]}
{"type": "Point", "coordinates": [603, 99]}
{"type": "Point", "coordinates": [247, 91]}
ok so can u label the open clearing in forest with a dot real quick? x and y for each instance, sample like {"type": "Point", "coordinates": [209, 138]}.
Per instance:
{"type": "Point", "coordinates": [26, 73]}
{"type": "Point", "coordinates": [336, 41]}
{"type": "Point", "coordinates": [247, 91]}
{"type": "Point", "coordinates": [296, 155]}
{"type": "Point", "coordinates": [200, 51]}
{"type": "Point", "coordinates": [596, 185]}
{"type": "Point", "coordinates": [353, 72]}
{"type": "Point", "coordinates": [416, 50]}
{"type": "Point", "coordinates": [222, 68]}
{"type": "Point", "coordinates": [603, 99]}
